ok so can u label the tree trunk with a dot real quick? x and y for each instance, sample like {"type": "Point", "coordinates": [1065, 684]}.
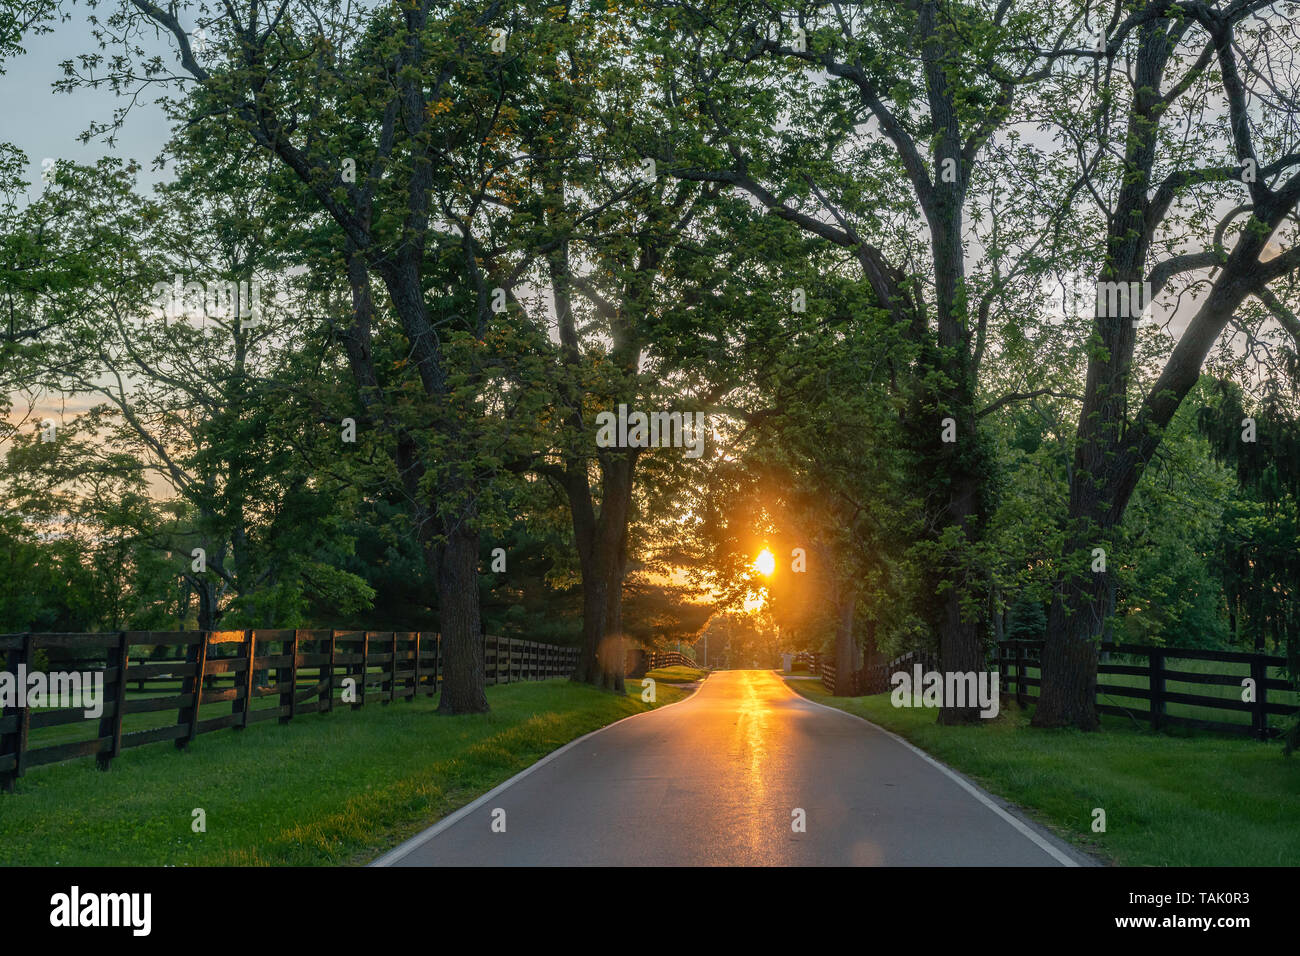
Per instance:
{"type": "Point", "coordinates": [961, 636]}
{"type": "Point", "coordinates": [458, 614]}
{"type": "Point", "coordinates": [844, 645]}
{"type": "Point", "coordinates": [594, 608]}
{"type": "Point", "coordinates": [603, 559]}
{"type": "Point", "coordinates": [960, 652]}
{"type": "Point", "coordinates": [1068, 692]}
{"type": "Point", "coordinates": [615, 657]}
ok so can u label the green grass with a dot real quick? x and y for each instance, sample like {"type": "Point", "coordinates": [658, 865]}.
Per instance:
{"type": "Point", "coordinates": [1206, 800]}
{"type": "Point", "coordinates": [677, 674]}
{"type": "Point", "coordinates": [322, 789]}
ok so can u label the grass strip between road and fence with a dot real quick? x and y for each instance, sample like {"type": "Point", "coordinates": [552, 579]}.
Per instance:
{"type": "Point", "coordinates": [1205, 800]}
{"type": "Point", "coordinates": [325, 789]}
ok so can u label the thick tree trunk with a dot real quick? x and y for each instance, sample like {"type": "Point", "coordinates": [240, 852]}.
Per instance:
{"type": "Point", "coordinates": [613, 654]}
{"type": "Point", "coordinates": [845, 657]}
{"type": "Point", "coordinates": [1068, 693]}
{"type": "Point", "coordinates": [458, 612]}
{"type": "Point", "coordinates": [961, 466]}
{"type": "Point", "coordinates": [1105, 463]}
{"type": "Point", "coordinates": [602, 547]}
{"type": "Point", "coordinates": [962, 630]}
{"type": "Point", "coordinates": [961, 651]}
{"type": "Point", "coordinates": [594, 608]}
{"type": "Point", "coordinates": [207, 604]}
{"type": "Point", "coordinates": [1083, 598]}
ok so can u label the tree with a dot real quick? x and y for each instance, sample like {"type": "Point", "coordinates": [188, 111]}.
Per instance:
{"type": "Point", "coordinates": [871, 128]}
{"type": "Point", "coordinates": [395, 123]}
{"type": "Point", "coordinates": [1186, 205]}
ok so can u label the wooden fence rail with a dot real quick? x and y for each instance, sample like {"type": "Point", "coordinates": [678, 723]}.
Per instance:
{"type": "Point", "coordinates": [262, 675]}
{"type": "Point", "coordinates": [1149, 672]}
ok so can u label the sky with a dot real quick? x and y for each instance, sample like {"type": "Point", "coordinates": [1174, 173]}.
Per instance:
{"type": "Point", "coordinates": [44, 123]}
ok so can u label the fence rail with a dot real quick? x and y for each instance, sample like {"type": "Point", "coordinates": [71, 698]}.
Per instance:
{"type": "Point", "coordinates": [261, 675]}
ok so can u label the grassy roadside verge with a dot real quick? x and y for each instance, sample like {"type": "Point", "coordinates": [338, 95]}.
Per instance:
{"type": "Point", "coordinates": [1169, 801]}
{"type": "Point", "coordinates": [323, 789]}
{"type": "Point", "coordinates": [678, 674]}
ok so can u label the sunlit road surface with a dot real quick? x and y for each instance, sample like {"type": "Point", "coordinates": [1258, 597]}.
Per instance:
{"type": "Point", "coordinates": [716, 780]}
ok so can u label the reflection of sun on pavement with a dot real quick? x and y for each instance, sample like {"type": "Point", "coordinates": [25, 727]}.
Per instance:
{"type": "Point", "coordinates": [753, 731]}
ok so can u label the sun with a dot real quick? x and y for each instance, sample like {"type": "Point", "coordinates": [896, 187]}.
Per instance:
{"type": "Point", "coordinates": [765, 563]}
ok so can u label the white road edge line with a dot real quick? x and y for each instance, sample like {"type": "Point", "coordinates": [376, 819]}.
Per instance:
{"type": "Point", "coordinates": [979, 794]}
{"type": "Point", "coordinates": [424, 836]}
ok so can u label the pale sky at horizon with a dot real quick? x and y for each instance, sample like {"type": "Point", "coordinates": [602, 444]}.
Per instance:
{"type": "Point", "coordinates": [44, 123]}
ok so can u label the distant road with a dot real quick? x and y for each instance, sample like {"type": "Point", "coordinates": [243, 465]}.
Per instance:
{"type": "Point", "coordinates": [716, 780]}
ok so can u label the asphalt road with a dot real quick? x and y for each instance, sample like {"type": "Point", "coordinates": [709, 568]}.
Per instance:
{"type": "Point", "coordinates": [717, 780]}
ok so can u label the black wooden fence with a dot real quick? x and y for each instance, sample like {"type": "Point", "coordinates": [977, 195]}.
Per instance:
{"type": "Point", "coordinates": [1141, 691]}
{"type": "Point", "coordinates": [1149, 695]}
{"type": "Point", "coordinates": [874, 679]}
{"type": "Point", "coordinates": [668, 659]}
{"type": "Point", "coordinates": [261, 674]}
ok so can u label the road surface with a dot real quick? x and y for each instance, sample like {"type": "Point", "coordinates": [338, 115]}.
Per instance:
{"type": "Point", "coordinates": [718, 779]}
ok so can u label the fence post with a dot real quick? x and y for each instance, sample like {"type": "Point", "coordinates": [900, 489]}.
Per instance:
{"type": "Point", "coordinates": [392, 672]}
{"type": "Point", "coordinates": [437, 661]}
{"type": "Point", "coordinates": [365, 670]}
{"type": "Point", "coordinates": [289, 698]}
{"type": "Point", "coordinates": [1157, 683]}
{"type": "Point", "coordinates": [245, 706]}
{"type": "Point", "coordinates": [1002, 667]}
{"type": "Point", "coordinates": [197, 655]}
{"type": "Point", "coordinates": [16, 741]}
{"type": "Point", "coordinates": [110, 725]}
{"type": "Point", "coordinates": [1020, 675]}
{"type": "Point", "coordinates": [415, 681]}
{"type": "Point", "coordinates": [1259, 714]}
{"type": "Point", "coordinates": [327, 703]}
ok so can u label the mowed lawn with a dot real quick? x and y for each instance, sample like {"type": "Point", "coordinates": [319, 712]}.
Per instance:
{"type": "Point", "coordinates": [677, 674]}
{"type": "Point", "coordinates": [1204, 800]}
{"type": "Point", "coordinates": [337, 788]}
